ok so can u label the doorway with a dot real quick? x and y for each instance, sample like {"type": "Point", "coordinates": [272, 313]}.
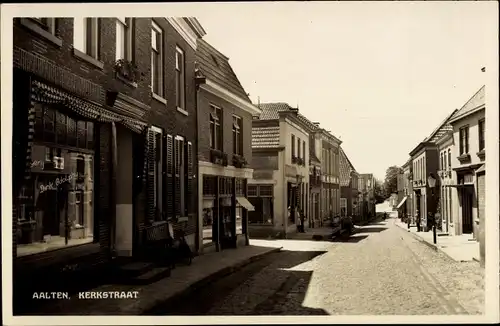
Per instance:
{"type": "Point", "coordinates": [467, 198]}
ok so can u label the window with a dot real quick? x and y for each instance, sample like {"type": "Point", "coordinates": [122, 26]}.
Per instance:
{"type": "Point", "coordinates": [343, 206]}
{"type": "Point", "coordinates": [215, 128]}
{"type": "Point", "coordinates": [261, 197]}
{"type": "Point", "coordinates": [298, 147]}
{"type": "Point", "coordinates": [441, 161]}
{"type": "Point", "coordinates": [481, 134]}
{"type": "Point", "coordinates": [304, 151]}
{"type": "Point", "coordinates": [124, 38]}
{"type": "Point", "coordinates": [47, 24]}
{"type": "Point", "coordinates": [61, 188]}
{"type": "Point", "coordinates": [86, 36]}
{"type": "Point", "coordinates": [444, 161]}
{"type": "Point", "coordinates": [180, 83]}
{"type": "Point", "coordinates": [237, 136]}
{"type": "Point", "coordinates": [293, 145]}
{"type": "Point", "coordinates": [156, 59]}
{"type": "Point", "coordinates": [464, 140]}
{"type": "Point", "coordinates": [52, 126]}
{"type": "Point", "coordinates": [180, 173]}
{"type": "Point", "coordinates": [449, 159]}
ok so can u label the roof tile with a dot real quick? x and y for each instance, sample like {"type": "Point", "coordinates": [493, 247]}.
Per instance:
{"type": "Point", "coordinates": [215, 66]}
{"type": "Point", "coordinates": [265, 137]}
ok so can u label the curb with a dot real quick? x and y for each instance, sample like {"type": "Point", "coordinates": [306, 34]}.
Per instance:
{"type": "Point", "coordinates": [432, 246]}
{"type": "Point", "coordinates": [204, 281]}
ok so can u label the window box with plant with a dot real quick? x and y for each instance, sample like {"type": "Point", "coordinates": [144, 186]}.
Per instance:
{"type": "Point", "coordinates": [218, 157]}
{"type": "Point", "coordinates": [239, 161]}
{"type": "Point", "coordinates": [128, 71]}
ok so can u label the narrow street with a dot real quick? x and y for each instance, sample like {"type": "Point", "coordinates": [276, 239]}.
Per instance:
{"type": "Point", "coordinates": [379, 270]}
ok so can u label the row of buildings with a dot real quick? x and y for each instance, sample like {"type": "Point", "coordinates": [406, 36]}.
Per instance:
{"type": "Point", "coordinates": [125, 127]}
{"type": "Point", "coordinates": [454, 155]}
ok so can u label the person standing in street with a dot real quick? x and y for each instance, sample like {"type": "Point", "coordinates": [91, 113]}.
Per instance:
{"type": "Point", "coordinates": [302, 221]}
{"type": "Point", "coordinates": [418, 220]}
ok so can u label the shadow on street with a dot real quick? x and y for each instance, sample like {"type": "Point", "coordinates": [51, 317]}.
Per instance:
{"type": "Point", "coordinates": [200, 301]}
{"type": "Point", "coordinates": [370, 230]}
{"type": "Point", "coordinates": [355, 238]}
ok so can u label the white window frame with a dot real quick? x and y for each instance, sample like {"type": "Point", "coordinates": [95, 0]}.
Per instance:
{"type": "Point", "coordinates": [180, 73]}
{"type": "Point", "coordinates": [237, 134]}
{"type": "Point", "coordinates": [86, 36]}
{"type": "Point", "coordinates": [216, 121]}
{"type": "Point", "coordinates": [157, 71]}
{"type": "Point", "coordinates": [46, 23]}
{"type": "Point", "coordinates": [124, 38]}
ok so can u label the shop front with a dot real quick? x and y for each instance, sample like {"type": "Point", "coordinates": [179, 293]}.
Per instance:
{"type": "Point", "coordinates": [225, 210]}
{"type": "Point", "coordinates": [63, 183]}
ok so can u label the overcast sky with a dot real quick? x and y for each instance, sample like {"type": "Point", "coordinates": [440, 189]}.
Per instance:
{"type": "Point", "coordinates": [381, 76]}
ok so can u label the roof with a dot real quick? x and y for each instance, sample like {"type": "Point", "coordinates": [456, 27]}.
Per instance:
{"type": "Point", "coordinates": [475, 102]}
{"type": "Point", "coordinates": [215, 67]}
{"type": "Point", "coordinates": [442, 129]}
{"type": "Point", "coordinates": [270, 111]}
{"type": "Point", "coordinates": [266, 137]}
{"type": "Point", "coordinates": [345, 169]}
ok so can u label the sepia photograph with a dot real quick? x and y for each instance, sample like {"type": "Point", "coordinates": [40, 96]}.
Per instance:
{"type": "Point", "coordinates": [250, 159]}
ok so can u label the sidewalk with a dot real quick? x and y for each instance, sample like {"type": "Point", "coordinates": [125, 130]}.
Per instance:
{"type": "Point", "coordinates": [459, 248]}
{"type": "Point", "coordinates": [205, 268]}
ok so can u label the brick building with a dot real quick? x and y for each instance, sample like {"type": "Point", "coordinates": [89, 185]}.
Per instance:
{"type": "Point", "coordinates": [87, 162]}
{"type": "Point", "coordinates": [224, 150]}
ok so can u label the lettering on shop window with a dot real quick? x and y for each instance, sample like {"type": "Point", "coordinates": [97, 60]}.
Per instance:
{"type": "Point", "coordinates": [58, 182]}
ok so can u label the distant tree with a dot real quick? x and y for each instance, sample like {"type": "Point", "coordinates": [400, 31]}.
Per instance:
{"type": "Point", "coordinates": [379, 192]}
{"type": "Point", "coordinates": [391, 179]}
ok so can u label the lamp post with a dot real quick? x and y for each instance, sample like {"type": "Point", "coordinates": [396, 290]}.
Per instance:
{"type": "Point", "coordinates": [432, 183]}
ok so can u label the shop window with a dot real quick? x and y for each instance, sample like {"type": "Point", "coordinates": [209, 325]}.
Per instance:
{"type": "Point", "coordinates": [239, 220]}
{"type": "Point", "coordinates": [209, 186]}
{"type": "Point", "coordinates": [252, 191]}
{"type": "Point", "coordinates": [52, 126]}
{"type": "Point", "coordinates": [208, 221]}
{"type": "Point", "coordinates": [60, 212]}
{"type": "Point", "coordinates": [263, 213]}
{"type": "Point", "coordinates": [343, 207]}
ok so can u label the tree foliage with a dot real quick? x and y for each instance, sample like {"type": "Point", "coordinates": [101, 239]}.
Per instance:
{"type": "Point", "coordinates": [391, 179]}
{"type": "Point", "coordinates": [379, 192]}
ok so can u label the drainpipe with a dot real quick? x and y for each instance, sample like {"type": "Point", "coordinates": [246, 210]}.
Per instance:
{"type": "Point", "coordinates": [199, 79]}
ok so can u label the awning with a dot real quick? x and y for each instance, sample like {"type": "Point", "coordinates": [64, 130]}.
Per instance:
{"type": "Point", "coordinates": [402, 202]}
{"type": "Point", "coordinates": [245, 203]}
{"type": "Point", "coordinates": [43, 93]}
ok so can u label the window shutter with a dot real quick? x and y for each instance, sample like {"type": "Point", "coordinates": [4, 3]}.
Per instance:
{"type": "Point", "coordinates": [177, 184]}
{"type": "Point", "coordinates": [169, 186]}
{"type": "Point", "coordinates": [151, 158]}
{"type": "Point", "coordinates": [190, 196]}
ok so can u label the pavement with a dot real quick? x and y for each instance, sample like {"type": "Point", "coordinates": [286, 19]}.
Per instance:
{"type": "Point", "coordinates": [182, 281]}
{"type": "Point", "coordinates": [460, 248]}
{"type": "Point", "coordinates": [380, 270]}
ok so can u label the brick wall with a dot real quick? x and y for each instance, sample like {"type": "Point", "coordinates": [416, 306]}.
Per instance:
{"type": "Point", "coordinates": [167, 116]}
{"type": "Point", "coordinates": [204, 100]}
{"type": "Point", "coordinates": [63, 56]}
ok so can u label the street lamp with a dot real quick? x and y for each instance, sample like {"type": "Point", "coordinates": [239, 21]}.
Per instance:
{"type": "Point", "coordinates": [432, 183]}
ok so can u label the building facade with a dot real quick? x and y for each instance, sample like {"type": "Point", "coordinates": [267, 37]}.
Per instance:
{"type": "Point", "coordinates": [367, 196]}
{"type": "Point", "coordinates": [447, 195]}
{"type": "Point", "coordinates": [330, 174]}
{"type": "Point", "coordinates": [224, 152]}
{"type": "Point", "coordinates": [170, 187]}
{"type": "Point", "coordinates": [81, 101]}
{"type": "Point", "coordinates": [280, 146]}
{"type": "Point", "coordinates": [408, 190]}
{"type": "Point", "coordinates": [348, 188]}
{"type": "Point", "coordinates": [315, 185]}
{"type": "Point", "coordinates": [468, 165]}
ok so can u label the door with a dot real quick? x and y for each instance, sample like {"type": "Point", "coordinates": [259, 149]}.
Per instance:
{"type": "Point", "coordinates": [466, 210]}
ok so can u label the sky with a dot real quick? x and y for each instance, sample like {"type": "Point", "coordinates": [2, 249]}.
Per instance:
{"type": "Point", "coordinates": [380, 76]}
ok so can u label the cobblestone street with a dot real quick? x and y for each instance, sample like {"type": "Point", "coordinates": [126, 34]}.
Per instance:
{"type": "Point", "coordinates": [379, 270]}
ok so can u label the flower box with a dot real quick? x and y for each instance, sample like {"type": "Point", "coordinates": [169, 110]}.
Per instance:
{"type": "Point", "coordinates": [239, 161]}
{"type": "Point", "coordinates": [128, 71]}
